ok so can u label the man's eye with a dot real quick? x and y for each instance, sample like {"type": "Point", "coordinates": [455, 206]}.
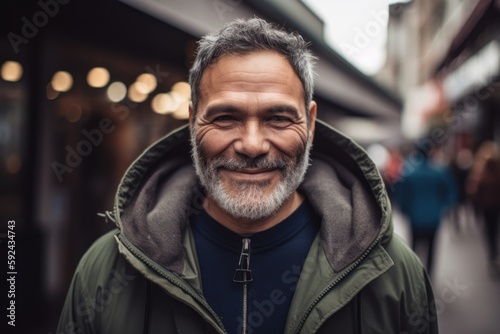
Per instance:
{"type": "Point", "coordinates": [279, 120]}
{"type": "Point", "coordinates": [224, 118]}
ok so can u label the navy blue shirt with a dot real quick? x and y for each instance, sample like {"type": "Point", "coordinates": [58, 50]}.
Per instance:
{"type": "Point", "coordinates": [276, 259]}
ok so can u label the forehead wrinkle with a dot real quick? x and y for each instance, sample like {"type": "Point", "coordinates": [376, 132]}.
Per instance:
{"type": "Point", "coordinates": [261, 68]}
{"type": "Point", "coordinates": [224, 76]}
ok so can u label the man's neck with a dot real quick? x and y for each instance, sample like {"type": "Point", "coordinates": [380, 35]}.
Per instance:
{"type": "Point", "coordinates": [247, 226]}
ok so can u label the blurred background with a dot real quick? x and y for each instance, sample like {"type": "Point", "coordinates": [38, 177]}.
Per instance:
{"type": "Point", "coordinates": [85, 86]}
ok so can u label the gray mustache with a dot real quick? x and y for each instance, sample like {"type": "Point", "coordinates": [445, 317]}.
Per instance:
{"type": "Point", "coordinates": [259, 162]}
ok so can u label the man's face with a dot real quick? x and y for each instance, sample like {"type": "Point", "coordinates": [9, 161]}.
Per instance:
{"type": "Point", "coordinates": [250, 136]}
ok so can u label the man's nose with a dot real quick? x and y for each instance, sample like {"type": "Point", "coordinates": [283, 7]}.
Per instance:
{"type": "Point", "coordinates": [253, 140]}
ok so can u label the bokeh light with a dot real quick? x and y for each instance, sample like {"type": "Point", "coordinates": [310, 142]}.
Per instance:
{"type": "Point", "coordinates": [11, 71]}
{"type": "Point", "coordinates": [135, 92]}
{"type": "Point", "coordinates": [98, 77]}
{"type": "Point", "coordinates": [62, 81]}
{"type": "Point", "coordinates": [148, 82]}
{"type": "Point", "coordinates": [117, 91]}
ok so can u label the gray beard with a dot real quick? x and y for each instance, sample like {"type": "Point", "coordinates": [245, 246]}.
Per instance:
{"type": "Point", "coordinates": [250, 201]}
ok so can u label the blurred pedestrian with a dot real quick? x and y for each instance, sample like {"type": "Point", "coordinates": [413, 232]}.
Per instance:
{"type": "Point", "coordinates": [424, 194]}
{"type": "Point", "coordinates": [461, 164]}
{"type": "Point", "coordinates": [483, 188]}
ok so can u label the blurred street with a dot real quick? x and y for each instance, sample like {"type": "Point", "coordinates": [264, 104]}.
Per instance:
{"type": "Point", "coordinates": [87, 86]}
{"type": "Point", "coordinates": [467, 298]}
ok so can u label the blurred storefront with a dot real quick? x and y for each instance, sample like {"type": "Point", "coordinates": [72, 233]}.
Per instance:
{"type": "Point", "coordinates": [470, 74]}
{"type": "Point", "coordinates": [444, 59]}
{"type": "Point", "coordinates": [87, 85]}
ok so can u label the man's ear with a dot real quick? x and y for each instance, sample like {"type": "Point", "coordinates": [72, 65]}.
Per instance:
{"type": "Point", "coordinates": [312, 119]}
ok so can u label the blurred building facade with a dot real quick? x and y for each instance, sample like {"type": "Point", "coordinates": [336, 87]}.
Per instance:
{"type": "Point", "coordinates": [444, 60]}
{"type": "Point", "coordinates": [87, 85]}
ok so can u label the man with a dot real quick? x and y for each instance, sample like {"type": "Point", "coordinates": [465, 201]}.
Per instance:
{"type": "Point", "coordinates": [247, 241]}
{"type": "Point", "coordinates": [482, 187]}
{"type": "Point", "coordinates": [424, 194]}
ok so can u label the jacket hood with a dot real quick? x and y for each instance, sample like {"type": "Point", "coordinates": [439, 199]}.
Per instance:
{"type": "Point", "coordinates": [160, 191]}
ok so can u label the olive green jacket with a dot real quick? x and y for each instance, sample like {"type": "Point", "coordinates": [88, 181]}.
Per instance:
{"type": "Point", "coordinates": [143, 277]}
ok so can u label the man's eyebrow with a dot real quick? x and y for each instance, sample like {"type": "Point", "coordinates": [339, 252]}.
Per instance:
{"type": "Point", "coordinates": [283, 109]}
{"type": "Point", "coordinates": [220, 108]}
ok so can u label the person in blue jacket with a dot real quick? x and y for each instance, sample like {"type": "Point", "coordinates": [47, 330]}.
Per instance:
{"type": "Point", "coordinates": [424, 193]}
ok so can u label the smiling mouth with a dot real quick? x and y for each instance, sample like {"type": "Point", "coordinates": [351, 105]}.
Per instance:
{"type": "Point", "coordinates": [251, 173]}
{"type": "Point", "coordinates": [254, 170]}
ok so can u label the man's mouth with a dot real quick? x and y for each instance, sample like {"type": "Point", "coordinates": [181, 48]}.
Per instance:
{"type": "Point", "coordinates": [250, 173]}
{"type": "Point", "coordinates": [254, 170]}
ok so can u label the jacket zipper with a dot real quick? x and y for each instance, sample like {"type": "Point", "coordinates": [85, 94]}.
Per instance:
{"type": "Point", "coordinates": [175, 282]}
{"type": "Point", "coordinates": [337, 280]}
{"type": "Point", "coordinates": [243, 275]}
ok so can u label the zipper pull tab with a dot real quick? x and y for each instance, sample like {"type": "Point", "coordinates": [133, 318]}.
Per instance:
{"type": "Point", "coordinates": [243, 273]}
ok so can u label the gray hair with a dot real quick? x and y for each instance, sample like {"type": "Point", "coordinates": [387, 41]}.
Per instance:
{"type": "Point", "coordinates": [245, 36]}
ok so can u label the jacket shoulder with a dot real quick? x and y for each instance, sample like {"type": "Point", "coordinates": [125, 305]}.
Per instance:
{"type": "Point", "coordinates": [402, 254]}
{"type": "Point", "coordinates": [103, 253]}
{"type": "Point", "coordinates": [407, 273]}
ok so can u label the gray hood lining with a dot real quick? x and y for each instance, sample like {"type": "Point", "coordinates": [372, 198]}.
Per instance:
{"type": "Point", "coordinates": [350, 219]}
